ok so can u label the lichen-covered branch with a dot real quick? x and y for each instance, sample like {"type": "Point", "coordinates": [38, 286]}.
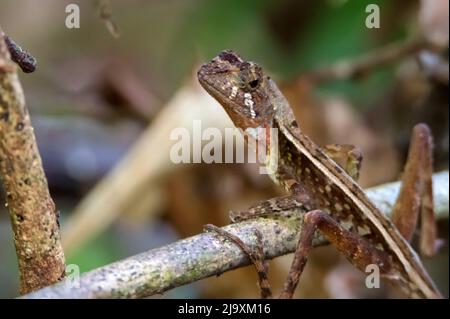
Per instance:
{"type": "Point", "coordinates": [206, 255]}
{"type": "Point", "coordinates": [33, 216]}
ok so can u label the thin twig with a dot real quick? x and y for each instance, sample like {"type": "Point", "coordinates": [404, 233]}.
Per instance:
{"type": "Point", "coordinates": [105, 13]}
{"type": "Point", "coordinates": [362, 65]}
{"type": "Point", "coordinates": [206, 255]}
{"type": "Point", "coordinates": [33, 216]}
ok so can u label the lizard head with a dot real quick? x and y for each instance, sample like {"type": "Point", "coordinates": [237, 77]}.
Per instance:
{"type": "Point", "coordinates": [240, 87]}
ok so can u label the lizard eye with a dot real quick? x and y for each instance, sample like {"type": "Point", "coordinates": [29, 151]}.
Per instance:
{"type": "Point", "coordinates": [253, 84]}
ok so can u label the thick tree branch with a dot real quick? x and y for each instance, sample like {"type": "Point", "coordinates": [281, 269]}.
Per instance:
{"type": "Point", "coordinates": [206, 255]}
{"type": "Point", "coordinates": [33, 217]}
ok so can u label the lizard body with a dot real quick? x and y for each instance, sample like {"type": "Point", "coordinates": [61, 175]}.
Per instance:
{"type": "Point", "coordinates": [253, 100]}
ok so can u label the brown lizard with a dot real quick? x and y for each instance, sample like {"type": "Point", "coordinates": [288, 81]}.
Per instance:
{"type": "Point", "coordinates": [337, 206]}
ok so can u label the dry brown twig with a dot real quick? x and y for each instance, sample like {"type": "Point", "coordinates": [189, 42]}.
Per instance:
{"type": "Point", "coordinates": [364, 64]}
{"type": "Point", "coordinates": [33, 215]}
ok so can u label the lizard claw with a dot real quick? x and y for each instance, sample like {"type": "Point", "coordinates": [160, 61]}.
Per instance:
{"type": "Point", "coordinates": [235, 217]}
{"type": "Point", "coordinates": [232, 214]}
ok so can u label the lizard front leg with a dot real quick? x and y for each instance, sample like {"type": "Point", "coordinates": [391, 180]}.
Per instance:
{"type": "Point", "coordinates": [356, 248]}
{"type": "Point", "coordinates": [275, 207]}
{"type": "Point", "coordinates": [255, 256]}
{"type": "Point", "coordinates": [416, 193]}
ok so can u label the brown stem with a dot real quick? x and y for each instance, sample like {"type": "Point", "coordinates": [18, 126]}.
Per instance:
{"type": "Point", "coordinates": [33, 216]}
{"type": "Point", "coordinates": [359, 66]}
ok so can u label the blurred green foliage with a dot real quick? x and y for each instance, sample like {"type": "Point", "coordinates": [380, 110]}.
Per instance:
{"type": "Point", "coordinates": [97, 252]}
